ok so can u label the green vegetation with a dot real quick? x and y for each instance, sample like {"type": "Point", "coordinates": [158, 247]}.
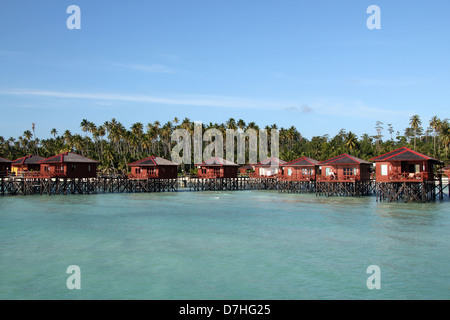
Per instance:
{"type": "Point", "coordinates": [115, 146]}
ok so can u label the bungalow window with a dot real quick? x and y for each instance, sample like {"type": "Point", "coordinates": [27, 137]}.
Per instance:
{"type": "Point", "coordinates": [151, 171]}
{"type": "Point", "coordinates": [349, 171]}
{"type": "Point", "coordinates": [384, 169]}
{"type": "Point", "coordinates": [289, 172]}
{"type": "Point", "coordinates": [216, 171]}
{"type": "Point", "coordinates": [89, 168]}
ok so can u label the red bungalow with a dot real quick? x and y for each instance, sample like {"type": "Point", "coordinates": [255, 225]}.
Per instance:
{"type": "Point", "coordinates": [68, 165]}
{"type": "Point", "coordinates": [27, 166]}
{"type": "Point", "coordinates": [301, 169]}
{"type": "Point", "coordinates": [153, 168]}
{"type": "Point", "coordinates": [4, 166]}
{"type": "Point", "coordinates": [345, 168]}
{"type": "Point", "coordinates": [217, 167]}
{"type": "Point", "coordinates": [404, 164]}
{"type": "Point", "coordinates": [269, 167]}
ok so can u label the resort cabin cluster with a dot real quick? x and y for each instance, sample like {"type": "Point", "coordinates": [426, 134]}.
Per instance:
{"type": "Point", "coordinates": [217, 167]}
{"type": "Point", "coordinates": [301, 169]}
{"type": "Point", "coordinates": [405, 165]}
{"type": "Point", "coordinates": [400, 165]}
{"type": "Point", "coordinates": [345, 168]}
{"type": "Point", "coordinates": [5, 166]}
{"type": "Point", "coordinates": [153, 168]}
{"type": "Point", "coordinates": [268, 168]}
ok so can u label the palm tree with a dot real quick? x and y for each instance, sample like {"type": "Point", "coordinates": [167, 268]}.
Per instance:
{"type": "Point", "coordinates": [241, 124]}
{"type": "Point", "coordinates": [444, 131]}
{"type": "Point", "coordinates": [415, 123]}
{"type": "Point", "coordinates": [379, 129]}
{"type": "Point", "coordinates": [434, 124]}
{"type": "Point", "coordinates": [54, 132]}
{"type": "Point", "coordinates": [231, 124]}
{"type": "Point", "coordinates": [138, 129]}
{"type": "Point", "coordinates": [351, 141]}
{"type": "Point", "coordinates": [85, 127]}
{"type": "Point", "coordinates": [390, 129]}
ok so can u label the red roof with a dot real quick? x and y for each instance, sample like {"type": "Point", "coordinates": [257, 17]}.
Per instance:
{"type": "Point", "coordinates": [344, 159]}
{"type": "Point", "coordinates": [271, 162]}
{"type": "Point", "coordinates": [30, 159]}
{"type": "Point", "coordinates": [217, 161]}
{"type": "Point", "coordinates": [5, 160]}
{"type": "Point", "coordinates": [68, 157]}
{"type": "Point", "coordinates": [303, 161]}
{"type": "Point", "coordinates": [152, 161]}
{"type": "Point", "coordinates": [403, 154]}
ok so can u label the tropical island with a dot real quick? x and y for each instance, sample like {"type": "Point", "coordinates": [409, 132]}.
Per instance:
{"type": "Point", "coordinates": [115, 146]}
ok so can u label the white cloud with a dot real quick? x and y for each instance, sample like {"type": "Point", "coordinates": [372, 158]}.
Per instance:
{"type": "Point", "coordinates": [7, 52]}
{"type": "Point", "coordinates": [152, 68]}
{"type": "Point", "coordinates": [385, 82]}
{"type": "Point", "coordinates": [188, 100]}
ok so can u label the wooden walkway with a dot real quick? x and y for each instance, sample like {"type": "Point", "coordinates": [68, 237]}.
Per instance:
{"type": "Point", "coordinates": [425, 191]}
{"type": "Point", "coordinates": [230, 184]}
{"type": "Point", "coordinates": [384, 191]}
{"type": "Point", "coordinates": [64, 186]}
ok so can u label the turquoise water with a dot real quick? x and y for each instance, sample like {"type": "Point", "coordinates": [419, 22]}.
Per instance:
{"type": "Point", "coordinates": [222, 245]}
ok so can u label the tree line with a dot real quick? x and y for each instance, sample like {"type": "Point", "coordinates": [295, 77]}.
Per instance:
{"type": "Point", "coordinates": [115, 146]}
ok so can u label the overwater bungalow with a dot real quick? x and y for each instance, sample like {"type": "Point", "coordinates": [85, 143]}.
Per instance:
{"type": "Point", "coordinates": [301, 169]}
{"type": "Point", "coordinates": [217, 167]}
{"type": "Point", "coordinates": [68, 165]}
{"type": "Point", "coordinates": [153, 168]}
{"type": "Point", "coordinates": [27, 166]}
{"type": "Point", "coordinates": [404, 164]}
{"type": "Point", "coordinates": [268, 168]}
{"type": "Point", "coordinates": [5, 165]}
{"type": "Point", "coordinates": [345, 168]}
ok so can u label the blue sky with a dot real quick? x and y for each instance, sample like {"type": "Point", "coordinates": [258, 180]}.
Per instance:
{"type": "Point", "coordinates": [311, 64]}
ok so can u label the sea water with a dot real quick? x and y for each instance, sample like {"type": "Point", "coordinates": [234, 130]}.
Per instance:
{"type": "Point", "coordinates": [222, 245]}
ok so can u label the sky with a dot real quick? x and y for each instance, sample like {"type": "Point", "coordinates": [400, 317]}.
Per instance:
{"type": "Point", "coordinates": [314, 65]}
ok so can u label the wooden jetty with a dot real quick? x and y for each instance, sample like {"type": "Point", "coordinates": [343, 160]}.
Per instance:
{"type": "Point", "coordinates": [230, 184]}
{"type": "Point", "coordinates": [355, 188]}
{"type": "Point", "coordinates": [407, 191]}
{"type": "Point", "coordinates": [385, 191]}
{"type": "Point", "coordinates": [296, 186]}
{"type": "Point", "coordinates": [64, 186]}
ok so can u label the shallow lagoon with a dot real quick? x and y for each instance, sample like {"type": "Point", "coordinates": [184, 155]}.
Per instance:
{"type": "Point", "coordinates": [222, 245]}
